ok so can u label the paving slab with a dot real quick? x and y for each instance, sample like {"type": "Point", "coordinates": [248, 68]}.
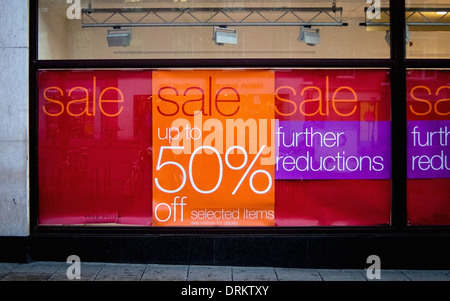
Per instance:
{"type": "Point", "coordinates": [389, 275]}
{"type": "Point", "coordinates": [98, 271]}
{"type": "Point", "coordinates": [342, 275]}
{"type": "Point", "coordinates": [34, 271]}
{"type": "Point", "coordinates": [290, 274]}
{"type": "Point", "coordinates": [155, 272]}
{"type": "Point", "coordinates": [254, 274]}
{"type": "Point", "coordinates": [89, 272]}
{"type": "Point", "coordinates": [47, 267]}
{"type": "Point", "coordinates": [6, 267]}
{"type": "Point", "coordinates": [427, 275]}
{"type": "Point", "coordinates": [14, 276]}
{"type": "Point", "coordinates": [121, 272]}
{"type": "Point", "coordinates": [209, 273]}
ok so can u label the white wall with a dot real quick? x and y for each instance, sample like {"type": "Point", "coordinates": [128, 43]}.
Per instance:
{"type": "Point", "coordinates": [14, 196]}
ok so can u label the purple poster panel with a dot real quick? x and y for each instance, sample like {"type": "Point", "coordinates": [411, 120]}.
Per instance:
{"type": "Point", "coordinates": [428, 149]}
{"type": "Point", "coordinates": [333, 150]}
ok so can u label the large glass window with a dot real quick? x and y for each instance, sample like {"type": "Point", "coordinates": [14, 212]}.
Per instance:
{"type": "Point", "coordinates": [148, 29]}
{"type": "Point", "coordinates": [428, 25]}
{"type": "Point", "coordinates": [214, 147]}
{"type": "Point", "coordinates": [287, 147]}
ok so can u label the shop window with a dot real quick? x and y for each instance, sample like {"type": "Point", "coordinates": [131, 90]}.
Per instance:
{"type": "Point", "coordinates": [187, 29]}
{"type": "Point", "coordinates": [427, 30]}
{"type": "Point", "coordinates": [288, 147]}
{"type": "Point", "coordinates": [214, 147]}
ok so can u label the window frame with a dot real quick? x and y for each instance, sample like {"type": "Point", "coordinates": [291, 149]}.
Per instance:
{"type": "Point", "coordinates": [397, 64]}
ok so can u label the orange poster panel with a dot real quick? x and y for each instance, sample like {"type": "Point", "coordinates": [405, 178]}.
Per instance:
{"type": "Point", "coordinates": [213, 148]}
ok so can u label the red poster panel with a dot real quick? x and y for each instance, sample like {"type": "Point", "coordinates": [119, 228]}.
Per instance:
{"type": "Point", "coordinates": [211, 147]}
{"type": "Point", "coordinates": [94, 146]}
{"type": "Point", "coordinates": [428, 138]}
{"type": "Point", "coordinates": [333, 148]}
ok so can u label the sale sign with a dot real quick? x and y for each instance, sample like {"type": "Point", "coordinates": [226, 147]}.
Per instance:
{"type": "Point", "coordinates": [94, 133]}
{"type": "Point", "coordinates": [428, 149]}
{"type": "Point", "coordinates": [428, 127]}
{"type": "Point", "coordinates": [213, 148]}
{"type": "Point", "coordinates": [332, 126]}
{"type": "Point", "coordinates": [224, 147]}
{"type": "Point", "coordinates": [333, 138]}
{"type": "Point", "coordinates": [428, 138]}
{"type": "Point", "coordinates": [331, 150]}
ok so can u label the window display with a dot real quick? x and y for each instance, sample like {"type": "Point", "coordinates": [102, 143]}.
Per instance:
{"type": "Point", "coordinates": [214, 147]}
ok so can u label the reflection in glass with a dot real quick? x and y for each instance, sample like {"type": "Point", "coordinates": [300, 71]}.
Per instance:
{"type": "Point", "coordinates": [428, 26]}
{"type": "Point", "coordinates": [185, 29]}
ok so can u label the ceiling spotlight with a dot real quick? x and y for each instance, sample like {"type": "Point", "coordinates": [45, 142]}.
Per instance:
{"type": "Point", "coordinates": [223, 35]}
{"type": "Point", "coordinates": [119, 37]}
{"type": "Point", "coordinates": [309, 36]}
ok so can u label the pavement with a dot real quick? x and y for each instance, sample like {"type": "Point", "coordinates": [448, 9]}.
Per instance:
{"type": "Point", "coordinates": [98, 271]}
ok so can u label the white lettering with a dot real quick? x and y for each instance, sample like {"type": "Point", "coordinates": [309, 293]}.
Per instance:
{"type": "Point", "coordinates": [74, 11]}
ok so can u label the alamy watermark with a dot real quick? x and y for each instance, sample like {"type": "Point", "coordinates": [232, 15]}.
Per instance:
{"type": "Point", "coordinates": [374, 270]}
{"type": "Point", "coordinates": [74, 10]}
{"type": "Point", "coordinates": [374, 10]}
{"type": "Point", "coordinates": [74, 270]}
